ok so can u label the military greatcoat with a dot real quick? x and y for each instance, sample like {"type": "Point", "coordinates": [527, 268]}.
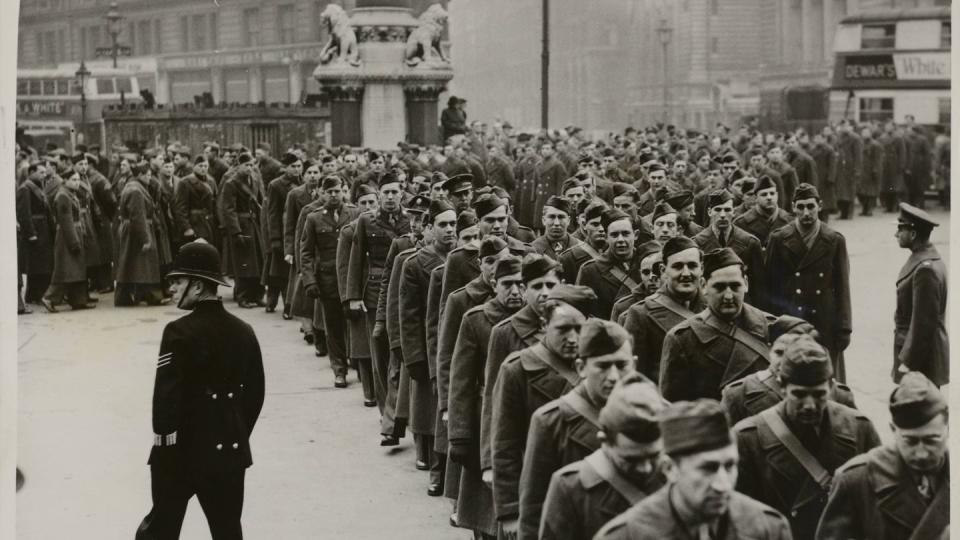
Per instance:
{"type": "Point", "coordinates": [771, 474]}
{"type": "Point", "coordinates": [277, 191]}
{"type": "Point", "coordinates": [194, 207]}
{"type": "Point", "coordinates": [759, 391]}
{"type": "Point", "coordinates": [760, 225]}
{"type": "Point", "coordinates": [240, 210]}
{"type": "Point", "coordinates": [358, 346]}
{"type": "Point", "coordinates": [35, 217]}
{"type": "Point", "coordinates": [137, 209]}
{"type": "Point", "coordinates": [920, 337]}
{"type": "Point", "coordinates": [69, 260]}
{"type": "Point", "coordinates": [648, 323]}
{"type": "Point", "coordinates": [609, 279]}
{"type": "Point", "coordinates": [849, 165]}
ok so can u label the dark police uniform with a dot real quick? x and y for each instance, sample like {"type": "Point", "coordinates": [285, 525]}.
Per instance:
{"type": "Point", "coordinates": [207, 397]}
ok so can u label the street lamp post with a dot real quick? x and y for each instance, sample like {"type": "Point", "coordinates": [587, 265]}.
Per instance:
{"type": "Point", "coordinates": [82, 74]}
{"type": "Point", "coordinates": [113, 28]}
{"type": "Point", "coordinates": [665, 32]}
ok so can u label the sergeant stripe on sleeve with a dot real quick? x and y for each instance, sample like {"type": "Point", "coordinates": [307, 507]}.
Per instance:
{"type": "Point", "coordinates": [164, 359]}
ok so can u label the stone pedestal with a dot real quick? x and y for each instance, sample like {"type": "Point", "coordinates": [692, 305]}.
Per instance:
{"type": "Point", "coordinates": [399, 101]}
{"type": "Point", "coordinates": [346, 119]}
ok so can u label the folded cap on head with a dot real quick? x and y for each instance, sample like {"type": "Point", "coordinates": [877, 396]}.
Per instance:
{"type": "Point", "coordinates": [806, 363]}
{"type": "Point", "coordinates": [764, 182]}
{"type": "Point", "coordinates": [656, 166]}
{"type": "Point", "coordinates": [389, 177]}
{"type": "Point", "coordinates": [491, 245]}
{"type": "Point", "coordinates": [679, 199]}
{"type": "Point", "coordinates": [690, 427]}
{"type": "Point", "coordinates": [719, 258]}
{"type": "Point", "coordinates": [487, 203]}
{"type": "Point", "coordinates": [730, 158]}
{"type": "Point", "coordinates": [331, 181]}
{"type": "Point", "coordinates": [915, 401]}
{"type": "Point", "coordinates": [676, 245]}
{"type": "Point", "coordinates": [662, 209]}
{"type": "Point", "coordinates": [438, 178]}
{"type": "Point", "coordinates": [363, 190]}
{"type": "Point", "coordinates": [560, 203]}
{"type": "Point", "coordinates": [578, 296]}
{"type": "Point", "coordinates": [244, 158]}
{"type": "Point", "coordinates": [289, 158]}
{"type": "Point", "coordinates": [466, 220]}
{"type": "Point", "coordinates": [569, 184]}
{"type": "Point", "coordinates": [806, 191]}
{"type": "Point", "coordinates": [611, 215]}
{"type": "Point", "coordinates": [507, 266]}
{"type": "Point", "coordinates": [648, 248]}
{"type": "Point", "coordinates": [718, 197]}
{"type": "Point", "coordinates": [599, 337]}
{"type": "Point", "coordinates": [620, 189]}
{"type": "Point", "coordinates": [632, 409]}
{"type": "Point", "coordinates": [536, 266]}
{"type": "Point", "coordinates": [594, 210]}
{"type": "Point", "coordinates": [438, 207]}
{"type": "Point", "coordinates": [787, 324]}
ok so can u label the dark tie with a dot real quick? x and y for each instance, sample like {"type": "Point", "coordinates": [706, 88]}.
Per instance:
{"type": "Point", "coordinates": [925, 487]}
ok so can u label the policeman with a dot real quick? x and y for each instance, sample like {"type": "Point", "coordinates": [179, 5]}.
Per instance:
{"type": "Point", "coordinates": [920, 340]}
{"type": "Point", "coordinates": [898, 491]}
{"type": "Point", "coordinates": [789, 452]}
{"type": "Point", "coordinates": [586, 494]}
{"type": "Point", "coordinates": [565, 430]}
{"type": "Point", "coordinates": [207, 397]}
{"type": "Point", "coordinates": [699, 500]}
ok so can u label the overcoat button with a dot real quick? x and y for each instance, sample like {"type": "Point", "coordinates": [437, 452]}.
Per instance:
{"type": "Point", "coordinates": [797, 274]}
{"type": "Point", "coordinates": [219, 447]}
{"type": "Point", "coordinates": [235, 446]}
{"type": "Point", "coordinates": [214, 396]}
{"type": "Point", "coordinates": [798, 291]}
{"type": "Point", "coordinates": [818, 291]}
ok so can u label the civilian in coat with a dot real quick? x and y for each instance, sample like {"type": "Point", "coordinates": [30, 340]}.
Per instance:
{"type": "Point", "coordinates": [919, 160]}
{"type": "Point", "coordinates": [566, 429]}
{"type": "Point", "coordinates": [872, 175]}
{"type": "Point", "coordinates": [69, 277]}
{"type": "Point", "coordinates": [37, 229]}
{"type": "Point", "coordinates": [920, 340]}
{"type": "Point", "coordinates": [475, 506]}
{"type": "Point", "coordinates": [678, 299]}
{"type": "Point", "coordinates": [771, 471]}
{"type": "Point", "coordinates": [453, 119]}
{"type": "Point", "coordinates": [898, 491]}
{"type": "Point", "coordinates": [849, 167]}
{"type": "Point", "coordinates": [278, 269]}
{"type": "Point", "coordinates": [138, 260]}
{"type": "Point", "coordinates": [808, 276]}
{"type": "Point", "coordinates": [240, 210]}
{"type": "Point", "coordinates": [722, 343]}
{"type": "Point", "coordinates": [584, 495]}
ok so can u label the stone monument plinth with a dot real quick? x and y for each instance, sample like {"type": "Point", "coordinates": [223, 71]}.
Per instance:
{"type": "Point", "coordinates": [383, 71]}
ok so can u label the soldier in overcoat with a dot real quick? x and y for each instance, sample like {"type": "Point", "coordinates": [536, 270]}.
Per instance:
{"type": "Point", "coordinates": [723, 233]}
{"type": "Point", "coordinates": [549, 176]}
{"type": "Point", "coordinates": [872, 176]}
{"type": "Point", "coordinates": [894, 162]}
{"type": "Point", "coordinates": [826, 158]}
{"type": "Point", "coordinates": [766, 216]}
{"type": "Point", "coordinates": [567, 429]}
{"type": "Point", "coordinates": [475, 499]}
{"type": "Point", "coordinates": [207, 397]}
{"type": "Point", "coordinates": [195, 205]}
{"type": "Point", "coordinates": [808, 276]}
{"type": "Point", "coordinates": [37, 228]}
{"type": "Point", "coordinates": [584, 495]}
{"type": "Point", "coordinates": [277, 268]}
{"type": "Point", "coordinates": [529, 379]}
{"type": "Point", "coordinates": [919, 160]}
{"type": "Point", "coordinates": [849, 167]}
{"type": "Point", "coordinates": [790, 476]}
{"type": "Point", "coordinates": [678, 299]}
{"type": "Point", "coordinates": [617, 271]}
{"type": "Point", "coordinates": [69, 277]}
{"type": "Point", "coordinates": [301, 306]}
{"type": "Point", "coordinates": [722, 343]}
{"type": "Point", "coordinates": [920, 341]}
{"type": "Point", "coordinates": [898, 491]}
{"type": "Point", "coordinates": [138, 259]}
{"type": "Point", "coordinates": [239, 207]}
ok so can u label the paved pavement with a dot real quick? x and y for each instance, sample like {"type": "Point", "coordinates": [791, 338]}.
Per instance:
{"type": "Point", "coordinates": [86, 382]}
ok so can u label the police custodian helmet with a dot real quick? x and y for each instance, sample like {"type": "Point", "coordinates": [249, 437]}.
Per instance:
{"type": "Point", "coordinates": [198, 259]}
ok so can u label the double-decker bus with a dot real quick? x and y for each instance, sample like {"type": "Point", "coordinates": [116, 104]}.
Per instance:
{"type": "Point", "coordinates": [892, 64]}
{"type": "Point", "coordinates": [49, 103]}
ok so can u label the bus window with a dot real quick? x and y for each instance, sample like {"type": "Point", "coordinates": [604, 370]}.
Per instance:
{"type": "Point", "coordinates": [35, 88]}
{"type": "Point", "coordinates": [123, 85]}
{"type": "Point", "coordinates": [945, 35]}
{"type": "Point", "coordinates": [22, 87]}
{"type": "Point", "coordinates": [63, 87]}
{"type": "Point", "coordinates": [105, 86]}
{"type": "Point", "coordinates": [878, 36]}
{"type": "Point", "coordinates": [879, 109]}
{"type": "Point", "coordinates": [49, 88]}
{"type": "Point", "coordinates": [75, 87]}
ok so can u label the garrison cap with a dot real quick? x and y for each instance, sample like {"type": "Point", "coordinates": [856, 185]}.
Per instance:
{"type": "Point", "coordinates": [438, 207]}
{"type": "Point", "coordinates": [737, 175]}
{"type": "Point", "coordinates": [788, 324]}
{"type": "Point", "coordinates": [646, 157]}
{"type": "Point", "coordinates": [560, 203]}
{"type": "Point", "coordinates": [536, 266]}
{"type": "Point", "coordinates": [676, 245]}
{"type": "Point", "coordinates": [199, 159]}
{"type": "Point", "coordinates": [620, 189]}
{"type": "Point", "coordinates": [491, 245]}
{"type": "Point", "coordinates": [806, 191]}
{"type": "Point", "coordinates": [915, 217]}
{"type": "Point", "coordinates": [657, 166]}
{"type": "Point", "coordinates": [611, 215]}
{"type": "Point", "coordinates": [594, 210]}
{"type": "Point", "coordinates": [507, 266]}
{"type": "Point", "coordinates": [719, 258]}
{"type": "Point", "coordinates": [466, 220]}
{"type": "Point", "coordinates": [330, 181]}
{"type": "Point", "coordinates": [578, 296]}
{"type": "Point", "coordinates": [730, 158]}
{"type": "Point", "coordinates": [458, 183]}
{"type": "Point", "coordinates": [502, 193]}
{"type": "Point", "coordinates": [690, 427]}
{"type": "Point", "coordinates": [662, 209]}
{"type": "Point", "coordinates": [915, 401]}
{"type": "Point", "coordinates": [289, 158]}
{"type": "Point", "coordinates": [600, 337]}
{"type": "Point", "coordinates": [765, 182]}
{"type": "Point", "coordinates": [679, 199]}
{"type": "Point", "coordinates": [805, 362]}
{"type": "Point", "coordinates": [419, 204]}
{"type": "Point", "coordinates": [362, 190]}
{"type": "Point", "coordinates": [718, 197]}
{"type": "Point", "coordinates": [486, 204]}
{"type": "Point", "coordinates": [244, 158]}
{"type": "Point", "coordinates": [386, 178]}
{"type": "Point", "coordinates": [632, 409]}
{"type": "Point", "coordinates": [569, 184]}
{"type": "Point", "coordinates": [648, 248]}
{"type": "Point", "coordinates": [78, 157]}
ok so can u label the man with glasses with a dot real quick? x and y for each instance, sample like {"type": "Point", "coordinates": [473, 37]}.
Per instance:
{"type": "Point", "coordinates": [808, 275]}
{"type": "Point", "coordinates": [651, 267]}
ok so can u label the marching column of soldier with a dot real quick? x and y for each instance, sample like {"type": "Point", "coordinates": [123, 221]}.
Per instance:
{"type": "Point", "coordinates": [662, 359]}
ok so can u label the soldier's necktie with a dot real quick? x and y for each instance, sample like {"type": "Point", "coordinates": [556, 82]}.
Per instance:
{"type": "Point", "coordinates": [925, 487]}
{"type": "Point", "coordinates": [336, 216]}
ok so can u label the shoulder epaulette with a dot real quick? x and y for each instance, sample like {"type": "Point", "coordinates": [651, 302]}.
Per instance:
{"type": "Point", "coordinates": [512, 357]}
{"type": "Point", "coordinates": [408, 251]}
{"type": "Point", "coordinates": [855, 462]}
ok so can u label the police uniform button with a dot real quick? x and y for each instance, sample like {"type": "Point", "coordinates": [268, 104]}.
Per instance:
{"type": "Point", "coordinates": [818, 291]}
{"type": "Point", "coordinates": [219, 446]}
{"type": "Point", "coordinates": [793, 513]}
{"type": "Point", "coordinates": [236, 445]}
{"type": "Point", "coordinates": [821, 274]}
{"type": "Point", "coordinates": [214, 396]}
{"type": "Point", "coordinates": [230, 395]}
{"type": "Point", "coordinates": [813, 311]}
{"type": "Point", "coordinates": [797, 274]}
{"type": "Point", "coordinates": [799, 291]}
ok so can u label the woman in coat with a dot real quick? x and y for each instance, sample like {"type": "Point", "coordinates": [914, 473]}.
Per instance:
{"type": "Point", "coordinates": [138, 261]}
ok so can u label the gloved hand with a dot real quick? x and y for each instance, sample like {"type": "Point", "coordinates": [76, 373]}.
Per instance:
{"type": "Point", "coordinates": [312, 290]}
{"type": "Point", "coordinates": [419, 372]}
{"type": "Point", "coordinates": [288, 259]}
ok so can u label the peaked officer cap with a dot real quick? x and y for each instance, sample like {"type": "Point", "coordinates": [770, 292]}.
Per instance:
{"type": "Point", "coordinates": [198, 259]}
{"type": "Point", "coordinates": [913, 216]}
{"type": "Point", "coordinates": [419, 204]}
{"type": "Point", "coordinates": [690, 427]}
{"type": "Point", "coordinates": [458, 183]}
{"type": "Point", "coordinates": [915, 401]}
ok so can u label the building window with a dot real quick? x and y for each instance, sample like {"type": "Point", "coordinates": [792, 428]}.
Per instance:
{"type": "Point", "coordinates": [285, 23]}
{"type": "Point", "coordinates": [878, 36]}
{"type": "Point", "coordinates": [714, 7]}
{"type": "Point", "coordinates": [251, 27]}
{"type": "Point", "coordinates": [199, 33]}
{"type": "Point", "coordinates": [124, 85]}
{"type": "Point", "coordinates": [715, 45]}
{"type": "Point", "coordinates": [105, 86]}
{"type": "Point", "coordinates": [184, 33]}
{"type": "Point", "coordinates": [214, 31]}
{"type": "Point", "coordinates": [144, 38]}
{"type": "Point", "coordinates": [157, 37]}
{"type": "Point", "coordinates": [879, 109]}
{"type": "Point", "coordinates": [945, 35]}
{"type": "Point", "coordinates": [40, 51]}
{"type": "Point", "coordinates": [944, 112]}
